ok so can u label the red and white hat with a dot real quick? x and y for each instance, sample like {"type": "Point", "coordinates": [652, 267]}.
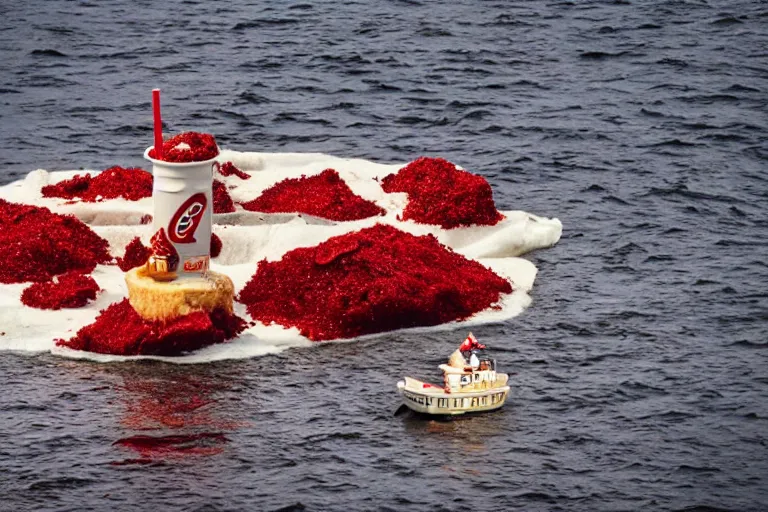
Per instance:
{"type": "Point", "coordinates": [470, 343]}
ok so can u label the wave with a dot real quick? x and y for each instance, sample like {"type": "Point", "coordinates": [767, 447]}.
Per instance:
{"type": "Point", "coordinates": [47, 53]}
{"type": "Point", "coordinates": [264, 22]}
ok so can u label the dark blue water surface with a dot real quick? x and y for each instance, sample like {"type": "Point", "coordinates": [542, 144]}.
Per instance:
{"type": "Point", "coordinates": [642, 369]}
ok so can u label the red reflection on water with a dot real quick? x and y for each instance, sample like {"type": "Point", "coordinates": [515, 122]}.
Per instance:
{"type": "Point", "coordinates": [189, 404]}
{"type": "Point", "coordinates": [151, 447]}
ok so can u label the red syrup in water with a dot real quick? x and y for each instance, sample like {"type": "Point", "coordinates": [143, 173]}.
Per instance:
{"type": "Point", "coordinates": [182, 403]}
{"type": "Point", "coordinates": [70, 290]}
{"type": "Point", "coordinates": [202, 146]}
{"type": "Point", "coordinates": [374, 280]}
{"type": "Point", "coordinates": [131, 184]}
{"type": "Point", "coordinates": [119, 330]}
{"type": "Point", "coordinates": [229, 169]}
{"type": "Point", "coordinates": [151, 448]}
{"type": "Point", "coordinates": [222, 202]}
{"type": "Point", "coordinates": [36, 245]}
{"type": "Point", "coordinates": [440, 194]}
{"type": "Point", "coordinates": [157, 402]}
{"type": "Point", "coordinates": [324, 195]}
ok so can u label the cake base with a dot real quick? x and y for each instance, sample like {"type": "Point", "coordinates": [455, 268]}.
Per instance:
{"type": "Point", "coordinates": [158, 300]}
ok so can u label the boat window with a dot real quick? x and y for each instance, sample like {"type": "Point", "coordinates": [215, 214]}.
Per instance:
{"type": "Point", "coordinates": [484, 400]}
{"type": "Point", "coordinates": [442, 402]}
{"type": "Point", "coordinates": [474, 402]}
{"type": "Point", "coordinates": [477, 377]}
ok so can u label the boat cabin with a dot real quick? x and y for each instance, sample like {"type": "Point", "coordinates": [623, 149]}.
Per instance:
{"type": "Point", "coordinates": [460, 375]}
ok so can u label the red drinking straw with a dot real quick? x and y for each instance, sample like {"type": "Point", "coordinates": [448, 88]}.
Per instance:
{"type": "Point", "coordinates": [158, 124]}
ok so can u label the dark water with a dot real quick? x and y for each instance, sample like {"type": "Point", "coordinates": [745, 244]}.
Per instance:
{"type": "Point", "coordinates": [642, 369]}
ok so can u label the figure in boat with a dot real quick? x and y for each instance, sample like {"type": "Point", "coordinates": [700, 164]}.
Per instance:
{"type": "Point", "coordinates": [470, 384]}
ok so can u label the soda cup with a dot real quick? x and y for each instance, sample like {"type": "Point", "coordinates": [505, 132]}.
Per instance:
{"type": "Point", "coordinates": [183, 203]}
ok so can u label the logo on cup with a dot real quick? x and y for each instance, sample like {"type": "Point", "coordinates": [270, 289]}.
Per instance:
{"type": "Point", "coordinates": [196, 264]}
{"type": "Point", "coordinates": [184, 222]}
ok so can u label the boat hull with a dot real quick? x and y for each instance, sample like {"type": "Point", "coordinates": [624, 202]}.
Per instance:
{"type": "Point", "coordinates": [452, 404]}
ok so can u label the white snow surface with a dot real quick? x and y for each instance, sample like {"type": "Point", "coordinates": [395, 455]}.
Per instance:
{"type": "Point", "coordinates": [248, 238]}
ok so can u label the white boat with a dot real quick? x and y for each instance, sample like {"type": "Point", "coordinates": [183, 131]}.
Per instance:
{"type": "Point", "coordinates": [469, 385]}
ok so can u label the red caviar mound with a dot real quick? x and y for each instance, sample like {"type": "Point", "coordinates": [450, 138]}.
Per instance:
{"type": "Point", "coordinates": [216, 245]}
{"type": "Point", "coordinates": [70, 290]}
{"type": "Point", "coordinates": [222, 202]}
{"type": "Point", "coordinates": [324, 195]}
{"type": "Point", "coordinates": [188, 147]}
{"type": "Point", "coordinates": [438, 193]}
{"type": "Point", "coordinates": [119, 330]}
{"type": "Point", "coordinates": [136, 254]}
{"type": "Point", "coordinates": [131, 184]}
{"type": "Point", "coordinates": [374, 280]}
{"type": "Point", "coordinates": [229, 169]}
{"type": "Point", "coordinates": [36, 245]}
